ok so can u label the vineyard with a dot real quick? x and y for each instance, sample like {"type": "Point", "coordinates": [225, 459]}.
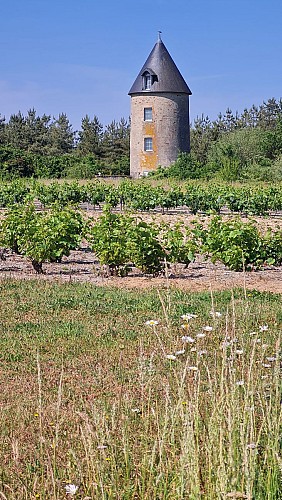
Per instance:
{"type": "Point", "coordinates": [124, 240]}
{"type": "Point", "coordinates": [88, 368]}
{"type": "Point", "coordinates": [194, 197]}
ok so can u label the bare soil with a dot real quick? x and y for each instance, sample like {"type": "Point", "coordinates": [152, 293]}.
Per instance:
{"type": "Point", "coordinates": [82, 266]}
{"type": "Point", "coordinates": [201, 275]}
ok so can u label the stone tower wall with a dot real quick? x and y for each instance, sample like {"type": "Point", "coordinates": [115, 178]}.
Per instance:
{"type": "Point", "coordinates": [169, 130]}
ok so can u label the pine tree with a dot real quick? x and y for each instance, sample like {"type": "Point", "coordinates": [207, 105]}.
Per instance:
{"type": "Point", "coordinates": [61, 136]}
{"type": "Point", "coordinates": [116, 141]}
{"type": "Point", "coordinates": [2, 131]}
{"type": "Point", "coordinates": [37, 133]}
{"type": "Point", "coordinates": [90, 136]}
{"type": "Point", "coordinates": [15, 131]}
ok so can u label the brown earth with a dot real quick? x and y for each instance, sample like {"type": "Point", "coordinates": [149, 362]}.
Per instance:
{"type": "Point", "coordinates": [82, 266]}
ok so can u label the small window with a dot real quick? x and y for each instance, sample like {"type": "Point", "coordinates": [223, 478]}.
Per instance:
{"type": "Point", "coordinates": [148, 144]}
{"type": "Point", "coordinates": [148, 114]}
{"type": "Point", "coordinates": [147, 81]}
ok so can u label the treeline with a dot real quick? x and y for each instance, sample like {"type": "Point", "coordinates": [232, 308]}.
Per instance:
{"type": "Point", "coordinates": [40, 146]}
{"type": "Point", "coordinates": [234, 146]}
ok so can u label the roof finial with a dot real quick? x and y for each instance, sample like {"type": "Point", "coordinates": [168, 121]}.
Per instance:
{"type": "Point", "coordinates": [159, 36]}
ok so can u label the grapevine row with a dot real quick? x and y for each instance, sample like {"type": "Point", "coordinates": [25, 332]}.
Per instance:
{"type": "Point", "coordinates": [142, 196]}
{"type": "Point", "coordinates": [121, 241]}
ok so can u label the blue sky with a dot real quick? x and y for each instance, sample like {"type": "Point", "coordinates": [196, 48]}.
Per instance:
{"type": "Point", "coordinates": [81, 57]}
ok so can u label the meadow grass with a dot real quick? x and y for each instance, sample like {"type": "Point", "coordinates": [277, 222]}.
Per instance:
{"type": "Point", "coordinates": [92, 396]}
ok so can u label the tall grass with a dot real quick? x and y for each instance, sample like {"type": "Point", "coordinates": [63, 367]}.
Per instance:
{"type": "Point", "coordinates": [94, 397]}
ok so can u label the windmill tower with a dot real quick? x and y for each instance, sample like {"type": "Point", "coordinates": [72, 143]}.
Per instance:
{"type": "Point", "coordinates": [160, 127]}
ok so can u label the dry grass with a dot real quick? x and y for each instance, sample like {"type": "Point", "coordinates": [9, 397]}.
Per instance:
{"type": "Point", "coordinates": [90, 398]}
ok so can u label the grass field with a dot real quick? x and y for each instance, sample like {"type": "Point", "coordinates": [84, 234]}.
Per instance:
{"type": "Point", "coordinates": [94, 397]}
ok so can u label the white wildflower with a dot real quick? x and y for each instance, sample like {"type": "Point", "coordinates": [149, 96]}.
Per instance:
{"type": "Point", "coordinates": [136, 410]}
{"type": "Point", "coordinates": [171, 357]}
{"type": "Point", "coordinates": [239, 351]}
{"type": "Point", "coordinates": [200, 335]}
{"type": "Point", "coordinates": [253, 333]}
{"type": "Point", "coordinates": [263, 328]}
{"type": "Point", "coordinates": [188, 316]}
{"type": "Point", "coordinates": [240, 382]}
{"type": "Point", "coordinates": [207, 328]}
{"type": "Point", "coordinates": [193, 368]}
{"type": "Point", "coordinates": [266, 365]}
{"type": "Point", "coordinates": [215, 314]}
{"type": "Point", "coordinates": [151, 322]}
{"type": "Point", "coordinates": [178, 353]}
{"type": "Point", "coordinates": [271, 358]}
{"type": "Point", "coordinates": [71, 489]}
{"type": "Point", "coordinates": [201, 353]}
{"type": "Point", "coordinates": [186, 338]}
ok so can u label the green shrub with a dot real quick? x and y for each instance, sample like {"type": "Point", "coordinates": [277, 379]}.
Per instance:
{"type": "Point", "coordinates": [42, 236]}
{"type": "Point", "coordinates": [185, 167]}
{"type": "Point", "coordinates": [145, 249]}
{"type": "Point", "coordinates": [235, 243]}
{"type": "Point", "coordinates": [272, 242]}
{"type": "Point", "coordinates": [14, 226]}
{"type": "Point", "coordinates": [179, 244]}
{"type": "Point", "coordinates": [108, 238]}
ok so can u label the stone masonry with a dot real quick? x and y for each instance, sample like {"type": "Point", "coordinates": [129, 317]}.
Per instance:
{"type": "Point", "coordinates": [169, 130]}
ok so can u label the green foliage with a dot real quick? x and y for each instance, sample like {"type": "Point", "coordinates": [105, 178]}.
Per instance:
{"type": "Point", "coordinates": [203, 198]}
{"type": "Point", "coordinates": [235, 154]}
{"type": "Point", "coordinates": [179, 243]}
{"type": "Point", "coordinates": [40, 147]}
{"type": "Point", "coordinates": [235, 243]}
{"type": "Point", "coordinates": [272, 242]}
{"type": "Point", "coordinates": [42, 236]}
{"type": "Point", "coordinates": [143, 196]}
{"type": "Point", "coordinates": [85, 167]}
{"type": "Point", "coordinates": [115, 142]}
{"type": "Point", "coordinates": [15, 163]}
{"type": "Point", "coordinates": [145, 249]}
{"type": "Point", "coordinates": [14, 226]}
{"type": "Point", "coordinates": [108, 238]}
{"type": "Point", "coordinates": [90, 137]}
{"type": "Point", "coordinates": [232, 147]}
{"type": "Point", "coordinates": [185, 167]}
{"type": "Point", "coordinates": [205, 134]}
{"type": "Point", "coordinates": [13, 193]}
{"type": "Point", "coordinates": [119, 240]}
{"type": "Point", "coordinates": [53, 235]}
{"type": "Point", "coordinates": [61, 194]}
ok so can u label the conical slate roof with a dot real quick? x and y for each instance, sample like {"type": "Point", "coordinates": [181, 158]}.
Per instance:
{"type": "Point", "coordinates": [166, 76]}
